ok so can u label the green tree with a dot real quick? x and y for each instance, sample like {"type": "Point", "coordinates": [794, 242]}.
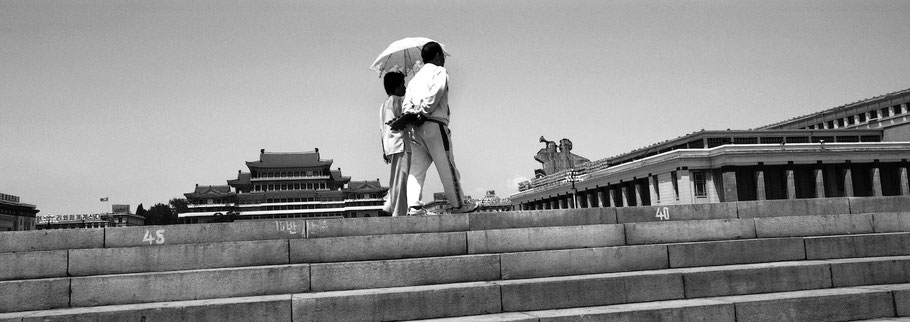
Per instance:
{"type": "Point", "coordinates": [179, 205]}
{"type": "Point", "coordinates": [162, 214]}
{"type": "Point", "coordinates": [140, 210]}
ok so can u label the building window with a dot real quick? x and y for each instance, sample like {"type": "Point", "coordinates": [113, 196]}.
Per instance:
{"type": "Point", "coordinates": [850, 120]}
{"type": "Point", "coordinates": [896, 109]}
{"type": "Point", "coordinates": [772, 140]}
{"type": "Point", "coordinates": [862, 117]}
{"type": "Point", "coordinates": [873, 115]}
{"type": "Point", "coordinates": [840, 122]}
{"type": "Point", "coordinates": [698, 178]}
{"type": "Point", "coordinates": [884, 112]}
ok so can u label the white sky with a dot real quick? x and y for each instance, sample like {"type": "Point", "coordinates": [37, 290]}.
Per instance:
{"type": "Point", "coordinates": [140, 100]}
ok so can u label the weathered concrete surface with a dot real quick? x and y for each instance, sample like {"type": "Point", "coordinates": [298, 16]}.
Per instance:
{"type": "Point", "coordinates": [870, 271]}
{"type": "Point", "coordinates": [676, 212]}
{"type": "Point", "coordinates": [901, 293]}
{"type": "Point", "coordinates": [755, 278]}
{"type": "Point", "coordinates": [689, 231]}
{"type": "Point", "coordinates": [204, 233]}
{"type": "Point", "coordinates": [402, 303]}
{"type": "Point", "coordinates": [542, 218]}
{"type": "Point", "coordinates": [276, 308]}
{"type": "Point", "coordinates": [888, 244]}
{"type": "Point", "coordinates": [497, 317]}
{"type": "Point", "coordinates": [374, 247]}
{"type": "Point", "coordinates": [544, 238]}
{"type": "Point", "coordinates": [860, 205]}
{"type": "Point", "coordinates": [673, 310]}
{"type": "Point", "coordinates": [98, 261]}
{"type": "Point", "coordinates": [891, 222]}
{"type": "Point", "coordinates": [589, 290]}
{"type": "Point", "coordinates": [32, 265]}
{"type": "Point", "coordinates": [583, 261]}
{"type": "Point", "coordinates": [404, 272]}
{"type": "Point", "coordinates": [794, 207]}
{"type": "Point", "coordinates": [37, 240]}
{"type": "Point", "coordinates": [339, 227]}
{"type": "Point", "coordinates": [37, 294]}
{"type": "Point", "coordinates": [813, 225]}
{"type": "Point", "coordinates": [189, 285]}
{"type": "Point", "coordinates": [839, 304]}
{"type": "Point", "coordinates": [728, 252]}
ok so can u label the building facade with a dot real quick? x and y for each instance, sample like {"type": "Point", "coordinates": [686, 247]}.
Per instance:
{"type": "Point", "coordinates": [15, 215]}
{"type": "Point", "coordinates": [859, 149]}
{"type": "Point", "coordinates": [120, 216]}
{"type": "Point", "coordinates": [285, 185]}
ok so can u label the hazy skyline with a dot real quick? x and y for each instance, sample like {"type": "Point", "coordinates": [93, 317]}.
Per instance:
{"type": "Point", "coordinates": [139, 101]}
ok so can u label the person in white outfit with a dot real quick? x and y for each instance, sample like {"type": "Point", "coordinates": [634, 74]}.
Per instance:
{"type": "Point", "coordinates": [395, 146]}
{"type": "Point", "coordinates": [427, 95]}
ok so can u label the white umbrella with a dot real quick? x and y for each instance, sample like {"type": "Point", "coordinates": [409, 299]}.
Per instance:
{"type": "Point", "coordinates": [402, 56]}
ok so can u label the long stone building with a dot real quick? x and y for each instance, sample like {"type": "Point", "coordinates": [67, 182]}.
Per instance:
{"type": "Point", "coordinates": [285, 185]}
{"type": "Point", "coordinates": [858, 149]}
{"type": "Point", "coordinates": [15, 215]}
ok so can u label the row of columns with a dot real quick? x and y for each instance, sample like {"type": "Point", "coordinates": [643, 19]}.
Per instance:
{"type": "Point", "coordinates": [623, 194]}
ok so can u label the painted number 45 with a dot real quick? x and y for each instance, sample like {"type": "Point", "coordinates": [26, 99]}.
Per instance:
{"type": "Point", "coordinates": [663, 213]}
{"type": "Point", "coordinates": [157, 239]}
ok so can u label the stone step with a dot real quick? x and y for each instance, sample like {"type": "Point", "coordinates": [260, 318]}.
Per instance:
{"type": "Point", "coordinates": [332, 284]}
{"type": "Point", "coordinates": [839, 304]}
{"type": "Point", "coordinates": [889, 216]}
{"type": "Point", "coordinates": [583, 256]}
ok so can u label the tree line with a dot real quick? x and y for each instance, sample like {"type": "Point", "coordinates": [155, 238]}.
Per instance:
{"type": "Point", "coordinates": [163, 214]}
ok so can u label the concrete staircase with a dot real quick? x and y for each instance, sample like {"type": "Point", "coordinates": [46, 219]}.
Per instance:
{"type": "Point", "coordinates": [836, 259]}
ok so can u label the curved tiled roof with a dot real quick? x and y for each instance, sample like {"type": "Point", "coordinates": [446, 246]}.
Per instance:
{"type": "Point", "coordinates": [289, 160]}
{"type": "Point", "coordinates": [242, 179]}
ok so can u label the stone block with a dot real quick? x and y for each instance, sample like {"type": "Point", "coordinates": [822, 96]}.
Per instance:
{"type": "Point", "coordinates": [729, 252]}
{"type": "Point", "coordinates": [55, 239]}
{"type": "Point", "coordinates": [755, 278]}
{"type": "Point", "coordinates": [891, 222]}
{"type": "Point", "coordinates": [589, 290]}
{"type": "Point", "coordinates": [889, 244]}
{"type": "Point", "coordinates": [404, 272]}
{"type": "Point", "coordinates": [813, 225]}
{"type": "Point", "coordinates": [205, 233]}
{"type": "Point", "coordinates": [37, 294]}
{"type": "Point", "coordinates": [542, 218]}
{"type": "Point", "coordinates": [688, 231]}
{"type": "Point", "coordinates": [676, 212]}
{"type": "Point", "coordinates": [792, 207]}
{"type": "Point", "coordinates": [870, 271]}
{"type": "Point", "coordinates": [673, 310]}
{"type": "Point", "coordinates": [901, 294]}
{"type": "Point", "coordinates": [839, 304]}
{"type": "Point", "coordinates": [374, 247]}
{"type": "Point", "coordinates": [318, 228]}
{"type": "Point", "coordinates": [544, 238]}
{"type": "Point", "coordinates": [862, 205]}
{"type": "Point", "coordinates": [497, 317]}
{"type": "Point", "coordinates": [583, 261]}
{"type": "Point", "coordinates": [272, 308]}
{"type": "Point", "coordinates": [189, 285]}
{"type": "Point", "coordinates": [32, 265]}
{"type": "Point", "coordinates": [98, 261]}
{"type": "Point", "coordinates": [400, 303]}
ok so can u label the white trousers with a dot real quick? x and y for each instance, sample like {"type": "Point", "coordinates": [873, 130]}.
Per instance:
{"type": "Point", "coordinates": [433, 144]}
{"type": "Point", "coordinates": [396, 201]}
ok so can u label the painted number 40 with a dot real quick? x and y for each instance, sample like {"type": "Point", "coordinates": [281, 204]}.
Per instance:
{"type": "Point", "coordinates": [663, 213]}
{"type": "Point", "coordinates": [157, 239]}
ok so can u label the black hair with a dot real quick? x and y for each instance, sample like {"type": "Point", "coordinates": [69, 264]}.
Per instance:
{"type": "Point", "coordinates": [391, 81]}
{"type": "Point", "coordinates": [430, 50]}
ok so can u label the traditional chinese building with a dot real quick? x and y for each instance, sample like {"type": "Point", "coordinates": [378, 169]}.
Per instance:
{"type": "Point", "coordinates": [286, 185]}
{"type": "Point", "coordinates": [15, 215]}
{"type": "Point", "coordinates": [859, 149]}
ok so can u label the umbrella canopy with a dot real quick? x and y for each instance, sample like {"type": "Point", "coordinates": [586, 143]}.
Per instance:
{"type": "Point", "coordinates": [402, 56]}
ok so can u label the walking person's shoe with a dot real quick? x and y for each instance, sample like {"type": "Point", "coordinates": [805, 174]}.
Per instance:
{"type": "Point", "coordinates": [417, 211]}
{"type": "Point", "coordinates": [465, 208]}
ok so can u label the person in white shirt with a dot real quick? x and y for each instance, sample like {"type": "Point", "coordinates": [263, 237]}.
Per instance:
{"type": "Point", "coordinates": [427, 95]}
{"type": "Point", "coordinates": [395, 146]}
